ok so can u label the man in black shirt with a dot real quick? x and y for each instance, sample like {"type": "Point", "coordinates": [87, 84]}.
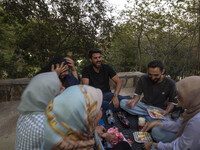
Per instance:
{"type": "Point", "coordinates": [98, 76]}
{"type": "Point", "coordinates": [158, 90]}
{"type": "Point", "coordinates": [159, 93]}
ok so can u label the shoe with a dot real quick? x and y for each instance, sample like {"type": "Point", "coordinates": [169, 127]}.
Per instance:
{"type": "Point", "coordinates": [109, 113]}
{"type": "Point", "coordinates": [124, 121]}
{"type": "Point", "coordinates": [110, 118]}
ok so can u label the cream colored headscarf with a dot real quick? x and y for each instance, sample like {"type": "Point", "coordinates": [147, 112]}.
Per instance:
{"type": "Point", "coordinates": [71, 118]}
{"type": "Point", "coordinates": [189, 89]}
{"type": "Point", "coordinates": [39, 92]}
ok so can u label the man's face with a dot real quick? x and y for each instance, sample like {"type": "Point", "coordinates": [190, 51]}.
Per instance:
{"type": "Point", "coordinates": [96, 60]}
{"type": "Point", "coordinates": [155, 74]}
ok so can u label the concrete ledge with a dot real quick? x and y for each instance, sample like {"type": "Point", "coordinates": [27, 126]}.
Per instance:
{"type": "Point", "coordinates": [12, 89]}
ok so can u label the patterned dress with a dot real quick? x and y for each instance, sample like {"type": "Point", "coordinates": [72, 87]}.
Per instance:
{"type": "Point", "coordinates": [30, 132]}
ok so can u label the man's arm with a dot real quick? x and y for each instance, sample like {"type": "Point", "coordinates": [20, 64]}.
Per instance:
{"type": "Point", "coordinates": [131, 103]}
{"type": "Point", "coordinates": [118, 84]}
{"type": "Point", "coordinates": [172, 100]}
{"type": "Point", "coordinates": [115, 99]}
{"type": "Point", "coordinates": [85, 81]}
{"type": "Point", "coordinates": [85, 76]}
{"type": "Point", "coordinates": [169, 108]}
{"type": "Point", "coordinates": [138, 91]}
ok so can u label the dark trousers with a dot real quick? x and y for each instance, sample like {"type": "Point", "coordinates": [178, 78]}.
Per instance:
{"type": "Point", "coordinates": [107, 97]}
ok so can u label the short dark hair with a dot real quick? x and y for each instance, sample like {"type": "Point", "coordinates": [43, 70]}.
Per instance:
{"type": "Point", "coordinates": [156, 63]}
{"type": "Point", "coordinates": [93, 51]}
{"type": "Point", "coordinates": [54, 61]}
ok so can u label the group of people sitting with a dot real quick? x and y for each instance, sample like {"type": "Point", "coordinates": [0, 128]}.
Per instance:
{"type": "Point", "coordinates": [59, 111]}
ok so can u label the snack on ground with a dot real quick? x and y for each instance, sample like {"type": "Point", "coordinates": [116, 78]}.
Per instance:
{"type": "Point", "coordinates": [142, 135]}
{"type": "Point", "coordinates": [118, 136]}
{"type": "Point", "coordinates": [156, 113]}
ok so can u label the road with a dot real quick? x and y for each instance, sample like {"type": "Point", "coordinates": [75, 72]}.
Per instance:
{"type": "Point", "coordinates": [8, 121]}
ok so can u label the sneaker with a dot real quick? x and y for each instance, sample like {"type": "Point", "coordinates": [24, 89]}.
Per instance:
{"type": "Point", "coordinates": [110, 118]}
{"type": "Point", "coordinates": [109, 113]}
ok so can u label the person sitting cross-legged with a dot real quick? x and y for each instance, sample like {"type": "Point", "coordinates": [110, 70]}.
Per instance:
{"type": "Point", "coordinates": [159, 93]}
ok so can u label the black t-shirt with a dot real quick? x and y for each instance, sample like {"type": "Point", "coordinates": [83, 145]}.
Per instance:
{"type": "Point", "coordinates": [99, 80]}
{"type": "Point", "coordinates": [157, 94]}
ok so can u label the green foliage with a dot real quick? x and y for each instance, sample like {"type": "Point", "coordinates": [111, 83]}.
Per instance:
{"type": "Point", "coordinates": [44, 29]}
{"type": "Point", "coordinates": [158, 29]}
{"type": "Point", "coordinates": [33, 32]}
{"type": "Point", "coordinates": [122, 52]}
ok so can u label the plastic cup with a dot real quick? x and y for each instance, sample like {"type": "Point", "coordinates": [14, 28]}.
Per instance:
{"type": "Point", "coordinates": [141, 123]}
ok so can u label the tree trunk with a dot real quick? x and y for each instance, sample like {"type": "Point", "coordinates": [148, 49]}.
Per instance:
{"type": "Point", "coordinates": [139, 51]}
{"type": "Point", "coordinates": [198, 47]}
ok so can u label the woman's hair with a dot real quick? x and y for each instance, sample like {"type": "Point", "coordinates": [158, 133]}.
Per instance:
{"type": "Point", "coordinates": [54, 61]}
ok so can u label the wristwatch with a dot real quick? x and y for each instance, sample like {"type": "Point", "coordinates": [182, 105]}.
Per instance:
{"type": "Point", "coordinates": [115, 95]}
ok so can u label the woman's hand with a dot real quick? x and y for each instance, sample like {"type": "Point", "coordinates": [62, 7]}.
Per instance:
{"type": "Point", "coordinates": [150, 124]}
{"type": "Point", "coordinates": [70, 63]}
{"type": "Point", "coordinates": [100, 130]}
{"type": "Point", "coordinates": [59, 68]}
{"type": "Point", "coordinates": [147, 146]}
{"type": "Point", "coordinates": [108, 137]}
{"type": "Point", "coordinates": [102, 133]}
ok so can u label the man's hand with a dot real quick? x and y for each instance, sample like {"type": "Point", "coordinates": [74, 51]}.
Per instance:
{"type": "Point", "coordinates": [164, 112]}
{"type": "Point", "coordinates": [115, 101]}
{"type": "Point", "coordinates": [59, 68]}
{"type": "Point", "coordinates": [131, 103]}
{"type": "Point", "coordinates": [149, 125]}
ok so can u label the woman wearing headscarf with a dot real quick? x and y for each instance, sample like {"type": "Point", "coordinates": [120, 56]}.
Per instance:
{"type": "Point", "coordinates": [72, 121]}
{"type": "Point", "coordinates": [187, 130]}
{"type": "Point", "coordinates": [72, 118]}
{"type": "Point", "coordinates": [35, 98]}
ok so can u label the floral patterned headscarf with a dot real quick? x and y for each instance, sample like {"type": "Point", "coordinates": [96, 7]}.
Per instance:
{"type": "Point", "coordinates": [71, 118]}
